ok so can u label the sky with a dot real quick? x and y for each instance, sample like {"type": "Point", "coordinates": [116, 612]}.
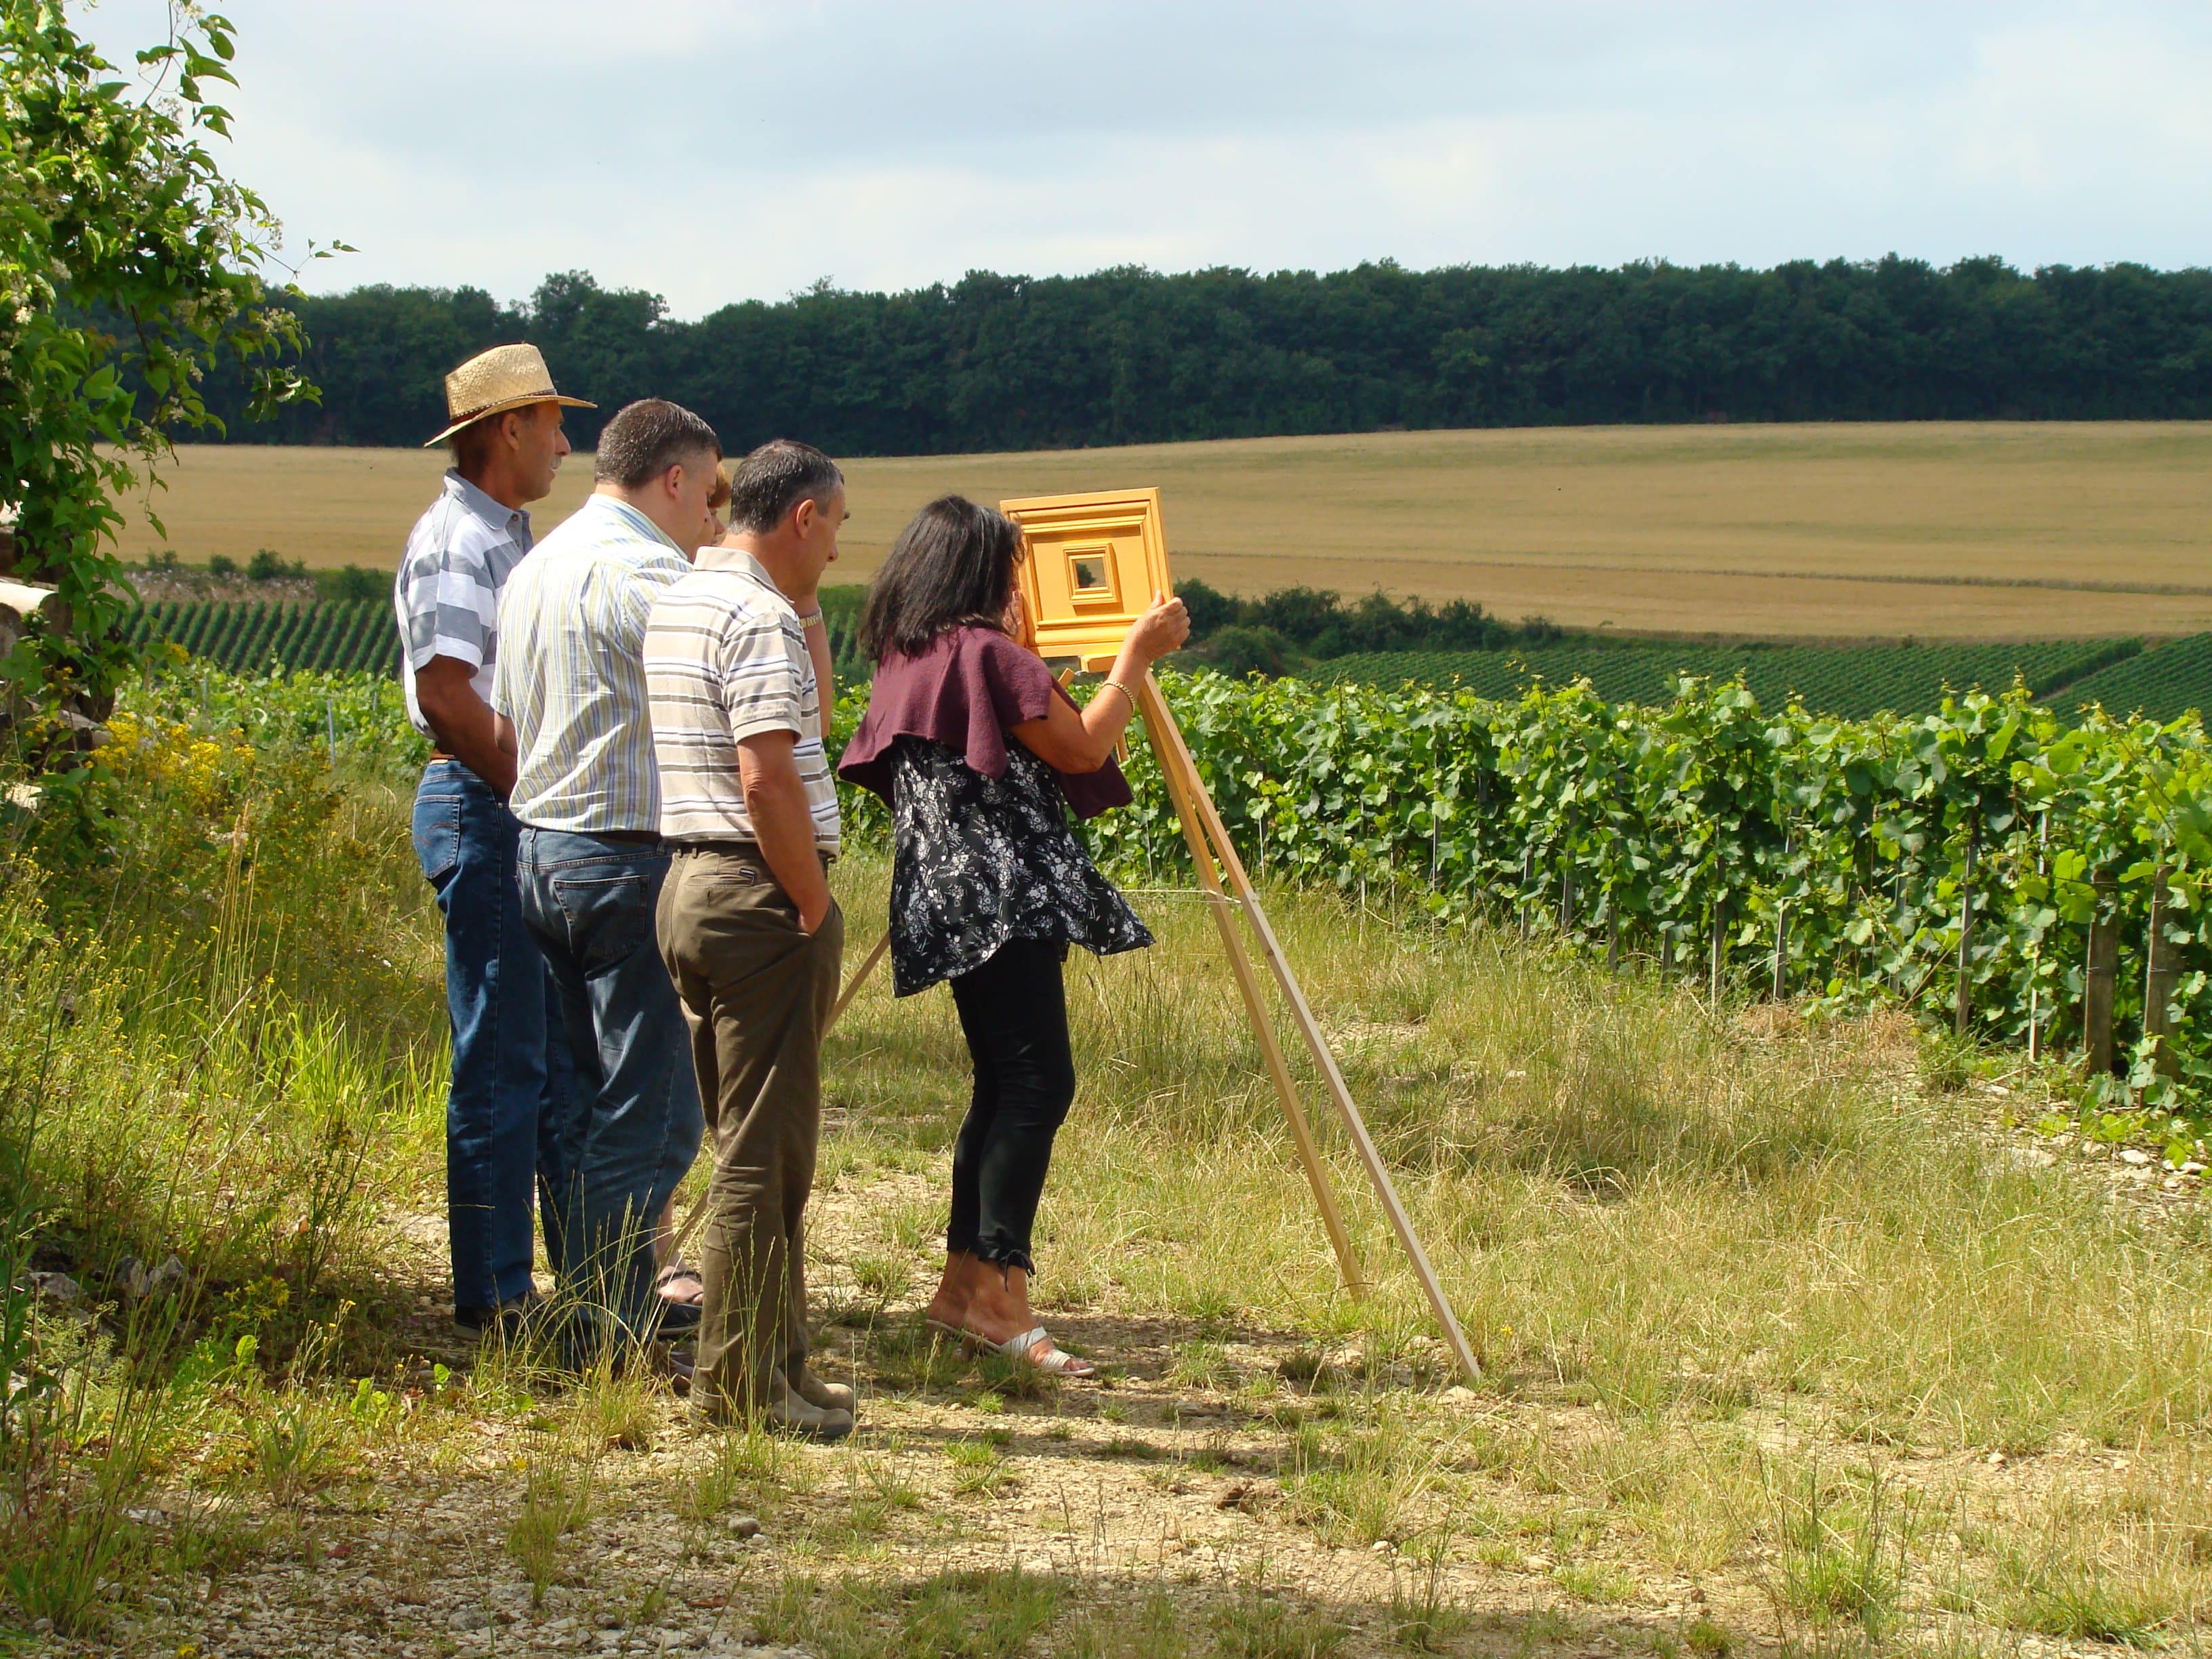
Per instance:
{"type": "Point", "coordinates": [718, 150]}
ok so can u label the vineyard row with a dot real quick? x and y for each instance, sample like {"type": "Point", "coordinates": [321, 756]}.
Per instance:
{"type": "Point", "coordinates": [1954, 861]}
{"type": "Point", "coordinates": [345, 636]}
{"type": "Point", "coordinates": [1851, 682]}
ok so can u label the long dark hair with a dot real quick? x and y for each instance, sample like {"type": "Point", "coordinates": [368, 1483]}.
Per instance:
{"type": "Point", "coordinates": [953, 567]}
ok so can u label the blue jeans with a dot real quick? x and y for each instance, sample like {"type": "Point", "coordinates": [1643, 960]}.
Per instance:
{"type": "Point", "coordinates": [508, 1076]}
{"type": "Point", "coordinates": [633, 1122]}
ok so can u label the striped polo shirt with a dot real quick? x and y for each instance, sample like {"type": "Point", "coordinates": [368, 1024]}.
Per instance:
{"type": "Point", "coordinates": [571, 673]}
{"type": "Point", "coordinates": [447, 594]}
{"type": "Point", "coordinates": [725, 658]}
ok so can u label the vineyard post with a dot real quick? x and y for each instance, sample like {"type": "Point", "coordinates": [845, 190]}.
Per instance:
{"type": "Point", "coordinates": [1782, 924]}
{"type": "Point", "coordinates": [1478, 863]}
{"type": "Point", "coordinates": [1720, 922]}
{"type": "Point", "coordinates": [2035, 951]}
{"type": "Point", "coordinates": [1897, 925]}
{"type": "Point", "coordinates": [330, 728]}
{"type": "Point", "coordinates": [1527, 870]}
{"type": "Point", "coordinates": [2161, 977]}
{"type": "Point", "coordinates": [2104, 961]}
{"type": "Point", "coordinates": [1963, 1000]}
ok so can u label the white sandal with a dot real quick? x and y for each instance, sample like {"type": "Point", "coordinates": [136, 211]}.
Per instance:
{"type": "Point", "coordinates": [1057, 1360]}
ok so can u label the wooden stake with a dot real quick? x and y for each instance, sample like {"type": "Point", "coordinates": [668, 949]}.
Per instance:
{"type": "Point", "coordinates": [1962, 1010]}
{"type": "Point", "coordinates": [2161, 979]}
{"type": "Point", "coordinates": [1168, 744]}
{"type": "Point", "coordinates": [2103, 964]}
{"type": "Point", "coordinates": [1184, 788]}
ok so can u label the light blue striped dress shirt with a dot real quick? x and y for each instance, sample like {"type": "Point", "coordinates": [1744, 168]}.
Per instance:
{"type": "Point", "coordinates": [571, 671]}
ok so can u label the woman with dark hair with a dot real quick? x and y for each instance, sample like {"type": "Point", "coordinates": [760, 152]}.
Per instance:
{"type": "Point", "coordinates": [981, 755]}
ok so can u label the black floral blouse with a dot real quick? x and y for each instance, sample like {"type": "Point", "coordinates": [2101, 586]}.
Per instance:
{"type": "Point", "coordinates": [978, 861]}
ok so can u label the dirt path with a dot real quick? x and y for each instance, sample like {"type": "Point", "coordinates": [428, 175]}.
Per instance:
{"type": "Point", "coordinates": [1186, 1496]}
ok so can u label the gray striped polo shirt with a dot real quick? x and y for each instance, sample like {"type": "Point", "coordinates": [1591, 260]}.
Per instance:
{"type": "Point", "coordinates": [447, 594]}
{"type": "Point", "coordinates": [725, 658]}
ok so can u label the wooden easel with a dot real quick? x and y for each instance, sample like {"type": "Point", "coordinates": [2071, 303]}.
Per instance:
{"type": "Point", "coordinates": [1208, 840]}
{"type": "Point", "coordinates": [1212, 853]}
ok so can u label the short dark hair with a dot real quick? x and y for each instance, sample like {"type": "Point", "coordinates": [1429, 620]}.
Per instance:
{"type": "Point", "coordinates": [647, 437]}
{"type": "Point", "coordinates": [953, 567]}
{"type": "Point", "coordinates": [775, 479]}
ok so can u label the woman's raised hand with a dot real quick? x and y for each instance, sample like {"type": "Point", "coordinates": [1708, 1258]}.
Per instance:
{"type": "Point", "coordinates": [1016, 621]}
{"type": "Point", "coordinates": [1159, 631]}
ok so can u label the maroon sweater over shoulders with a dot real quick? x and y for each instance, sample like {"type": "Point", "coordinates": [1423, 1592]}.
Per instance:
{"type": "Point", "coordinates": [965, 691]}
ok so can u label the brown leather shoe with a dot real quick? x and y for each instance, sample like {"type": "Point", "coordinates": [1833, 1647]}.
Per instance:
{"type": "Point", "coordinates": [791, 1414]}
{"type": "Point", "coordinates": [823, 1396]}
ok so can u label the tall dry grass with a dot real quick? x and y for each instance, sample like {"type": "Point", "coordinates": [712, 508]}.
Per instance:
{"type": "Point", "coordinates": [217, 1064]}
{"type": "Point", "coordinates": [1624, 1190]}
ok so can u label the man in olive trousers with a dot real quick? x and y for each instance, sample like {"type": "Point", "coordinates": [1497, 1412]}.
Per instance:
{"type": "Point", "coordinates": [737, 661]}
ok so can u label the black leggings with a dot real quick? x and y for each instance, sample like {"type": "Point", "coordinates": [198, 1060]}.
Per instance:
{"type": "Point", "coordinates": [1014, 1015]}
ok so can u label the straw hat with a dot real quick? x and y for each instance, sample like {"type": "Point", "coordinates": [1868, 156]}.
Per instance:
{"type": "Point", "coordinates": [504, 378]}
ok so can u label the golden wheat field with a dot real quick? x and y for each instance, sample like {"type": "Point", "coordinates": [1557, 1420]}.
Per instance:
{"type": "Point", "coordinates": [2000, 530]}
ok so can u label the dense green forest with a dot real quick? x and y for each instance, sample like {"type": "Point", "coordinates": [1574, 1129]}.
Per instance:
{"type": "Point", "coordinates": [1129, 356]}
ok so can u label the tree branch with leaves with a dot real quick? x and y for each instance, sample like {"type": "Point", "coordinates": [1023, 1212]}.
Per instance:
{"type": "Point", "coordinates": [130, 266]}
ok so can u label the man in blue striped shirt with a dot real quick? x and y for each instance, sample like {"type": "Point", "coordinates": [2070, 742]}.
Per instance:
{"type": "Point", "coordinates": [571, 680]}
{"type": "Point", "coordinates": [507, 444]}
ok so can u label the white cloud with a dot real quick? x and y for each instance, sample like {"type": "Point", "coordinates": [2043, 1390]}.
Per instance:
{"type": "Point", "coordinates": [712, 150]}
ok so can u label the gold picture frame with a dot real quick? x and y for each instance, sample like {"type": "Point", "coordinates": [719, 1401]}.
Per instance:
{"type": "Point", "coordinates": [1095, 560]}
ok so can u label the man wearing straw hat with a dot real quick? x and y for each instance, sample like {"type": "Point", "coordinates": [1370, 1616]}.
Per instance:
{"type": "Point", "coordinates": [505, 431]}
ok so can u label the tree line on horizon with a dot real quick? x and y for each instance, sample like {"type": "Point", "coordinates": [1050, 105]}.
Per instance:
{"type": "Point", "coordinates": [1130, 355]}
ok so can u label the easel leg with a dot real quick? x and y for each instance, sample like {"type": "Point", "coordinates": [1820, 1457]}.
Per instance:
{"type": "Point", "coordinates": [1189, 791]}
{"type": "Point", "coordinates": [1180, 788]}
{"type": "Point", "coordinates": [859, 978]}
{"type": "Point", "coordinates": [852, 989]}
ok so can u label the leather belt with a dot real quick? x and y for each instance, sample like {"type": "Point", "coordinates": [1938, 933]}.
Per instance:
{"type": "Point", "coordinates": [737, 849]}
{"type": "Point", "coordinates": [627, 837]}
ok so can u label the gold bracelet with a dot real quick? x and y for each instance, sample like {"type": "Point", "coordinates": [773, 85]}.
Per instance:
{"type": "Point", "coordinates": [1126, 692]}
{"type": "Point", "coordinates": [810, 618]}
